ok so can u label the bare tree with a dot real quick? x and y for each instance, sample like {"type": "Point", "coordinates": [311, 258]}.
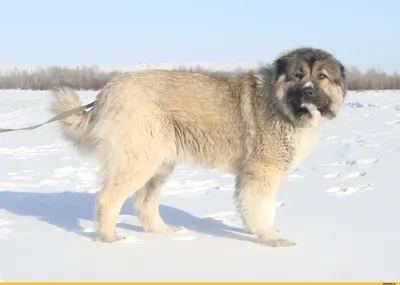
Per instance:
{"type": "Point", "coordinates": [93, 78]}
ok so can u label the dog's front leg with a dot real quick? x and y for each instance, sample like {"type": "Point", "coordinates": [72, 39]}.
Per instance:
{"type": "Point", "coordinates": [255, 198]}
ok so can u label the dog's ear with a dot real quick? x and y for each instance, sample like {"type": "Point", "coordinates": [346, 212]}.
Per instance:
{"type": "Point", "coordinates": [343, 82]}
{"type": "Point", "coordinates": [281, 66]}
{"type": "Point", "coordinates": [342, 72]}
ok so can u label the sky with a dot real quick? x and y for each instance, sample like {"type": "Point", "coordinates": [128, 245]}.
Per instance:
{"type": "Point", "coordinates": [125, 32]}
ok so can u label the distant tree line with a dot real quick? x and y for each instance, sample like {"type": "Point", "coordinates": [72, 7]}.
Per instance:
{"type": "Point", "coordinates": [92, 78]}
{"type": "Point", "coordinates": [81, 78]}
{"type": "Point", "coordinates": [372, 79]}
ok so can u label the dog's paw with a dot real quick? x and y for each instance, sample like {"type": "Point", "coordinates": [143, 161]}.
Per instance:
{"type": "Point", "coordinates": [249, 231]}
{"type": "Point", "coordinates": [108, 239]}
{"type": "Point", "coordinates": [174, 229]}
{"type": "Point", "coordinates": [165, 229]}
{"type": "Point", "coordinates": [272, 238]}
{"type": "Point", "coordinates": [277, 242]}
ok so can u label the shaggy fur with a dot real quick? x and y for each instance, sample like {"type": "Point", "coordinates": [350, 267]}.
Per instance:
{"type": "Point", "coordinates": [258, 126]}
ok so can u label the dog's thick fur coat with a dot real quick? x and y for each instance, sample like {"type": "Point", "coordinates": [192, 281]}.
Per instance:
{"type": "Point", "coordinates": [258, 126]}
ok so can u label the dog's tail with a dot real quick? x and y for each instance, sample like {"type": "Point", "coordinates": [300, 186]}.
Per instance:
{"type": "Point", "coordinates": [74, 128]}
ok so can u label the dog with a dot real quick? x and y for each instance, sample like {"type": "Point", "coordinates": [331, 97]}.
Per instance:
{"type": "Point", "coordinates": [258, 125]}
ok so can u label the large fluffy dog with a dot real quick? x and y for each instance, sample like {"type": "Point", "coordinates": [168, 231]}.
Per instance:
{"type": "Point", "coordinates": [258, 126]}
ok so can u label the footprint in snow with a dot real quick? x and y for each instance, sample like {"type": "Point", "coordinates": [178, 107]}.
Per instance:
{"type": "Point", "coordinates": [332, 175]}
{"type": "Point", "coordinates": [343, 177]}
{"type": "Point", "coordinates": [394, 122]}
{"type": "Point", "coordinates": [297, 175]}
{"type": "Point", "coordinates": [344, 191]}
{"type": "Point", "coordinates": [354, 162]}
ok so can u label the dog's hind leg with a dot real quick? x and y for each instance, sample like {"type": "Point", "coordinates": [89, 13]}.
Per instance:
{"type": "Point", "coordinates": [127, 167]}
{"type": "Point", "coordinates": [146, 202]}
{"type": "Point", "coordinates": [114, 194]}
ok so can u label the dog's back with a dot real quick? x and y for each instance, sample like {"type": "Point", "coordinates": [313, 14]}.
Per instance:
{"type": "Point", "coordinates": [196, 118]}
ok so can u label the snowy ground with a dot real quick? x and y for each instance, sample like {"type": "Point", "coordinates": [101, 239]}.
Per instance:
{"type": "Point", "coordinates": [341, 207]}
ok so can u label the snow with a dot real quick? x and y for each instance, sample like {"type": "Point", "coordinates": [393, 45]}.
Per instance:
{"type": "Point", "coordinates": [340, 207]}
{"type": "Point", "coordinates": [308, 84]}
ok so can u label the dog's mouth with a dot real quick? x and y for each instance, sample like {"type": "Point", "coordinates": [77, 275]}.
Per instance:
{"type": "Point", "coordinates": [304, 105]}
{"type": "Point", "coordinates": [306, 108]}
{"type": "Point", "coordinates": [303, 108]}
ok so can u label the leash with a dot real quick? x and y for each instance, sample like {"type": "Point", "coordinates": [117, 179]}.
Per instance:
{"type": "Point", "coordinates": [61, 116]}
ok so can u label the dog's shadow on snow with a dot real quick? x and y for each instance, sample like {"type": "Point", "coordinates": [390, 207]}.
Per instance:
{"type": "Point", "coordinates": [66, 209]}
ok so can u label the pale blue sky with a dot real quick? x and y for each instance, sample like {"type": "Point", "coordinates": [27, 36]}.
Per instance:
{"type": "Point", "coordinates": [124, 32]}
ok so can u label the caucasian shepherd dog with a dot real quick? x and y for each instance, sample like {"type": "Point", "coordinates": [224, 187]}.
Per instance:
{"type": "Point", "coordinates": [258, 126]}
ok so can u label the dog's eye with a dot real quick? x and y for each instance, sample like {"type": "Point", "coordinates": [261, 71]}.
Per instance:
{"type": "Point", "coordinates": [299, 75]}
{"type": "Point", "coordinates": [321, 76]}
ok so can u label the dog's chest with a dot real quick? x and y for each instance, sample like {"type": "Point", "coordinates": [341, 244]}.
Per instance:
{"type": "Point", "coordinates": [303, 144]}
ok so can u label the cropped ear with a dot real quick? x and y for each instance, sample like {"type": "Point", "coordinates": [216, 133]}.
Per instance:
{"type": "Point", "coordinates": [343, 82]}
{"type": "Point", "coordinates": [342, 72]}
{"type": "Point", "coordinates": [281, 66]}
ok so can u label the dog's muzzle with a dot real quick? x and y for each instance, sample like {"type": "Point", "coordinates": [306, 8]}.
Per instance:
{"type": "Point", "coordinates": [310, 96]}
{"type": "Point", "coordinates": [308, 92]}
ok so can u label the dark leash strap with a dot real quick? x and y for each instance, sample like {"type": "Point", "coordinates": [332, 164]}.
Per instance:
{"type": "Point", "coordinates": [59, 117]}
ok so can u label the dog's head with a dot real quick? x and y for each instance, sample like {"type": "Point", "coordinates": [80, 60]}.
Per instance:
{"type": "Point", "coordinates": [308, 75]}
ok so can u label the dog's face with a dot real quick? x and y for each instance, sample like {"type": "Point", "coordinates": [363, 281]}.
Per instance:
{"type": "Point", "coordinates": [308, 75]}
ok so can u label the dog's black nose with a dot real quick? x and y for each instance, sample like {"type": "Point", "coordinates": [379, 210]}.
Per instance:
{"type": "Point", "coordinates": [309, 92]}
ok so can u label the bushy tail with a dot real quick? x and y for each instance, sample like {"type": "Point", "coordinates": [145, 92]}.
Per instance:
{"type": "Point", "coordinates": [74, 128]}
